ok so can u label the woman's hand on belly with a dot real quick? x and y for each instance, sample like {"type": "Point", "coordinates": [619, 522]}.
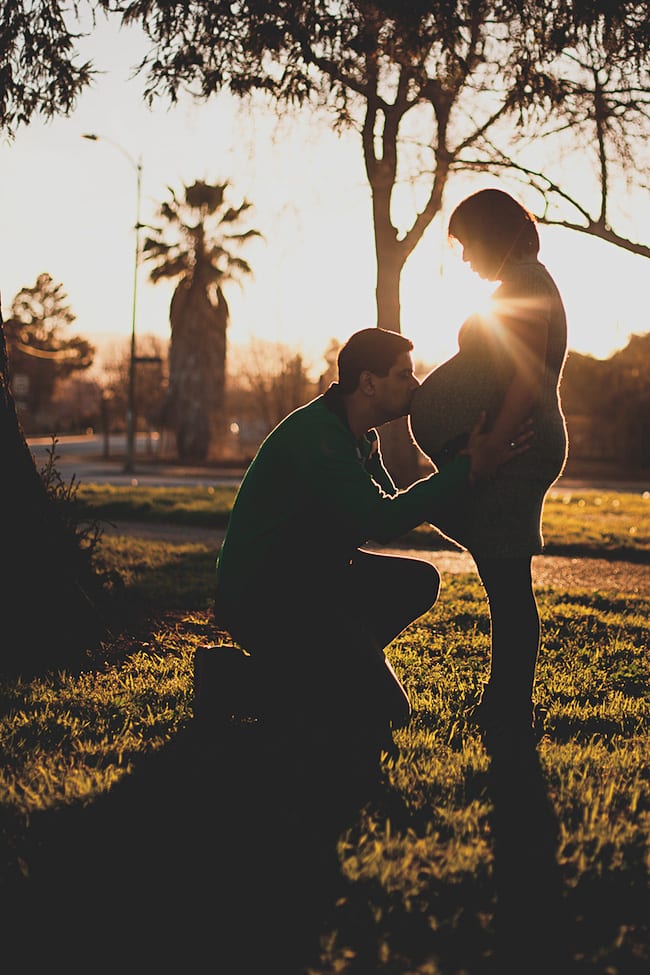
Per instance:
{"type": "Point", "coordinates": [487, 453]}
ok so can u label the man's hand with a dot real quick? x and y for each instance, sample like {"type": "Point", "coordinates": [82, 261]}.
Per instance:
{"type": "Point", "coordinates": [486, 456]}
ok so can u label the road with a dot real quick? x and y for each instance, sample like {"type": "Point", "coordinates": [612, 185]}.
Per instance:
{"type": "Point", "coordinates": [83, 457]}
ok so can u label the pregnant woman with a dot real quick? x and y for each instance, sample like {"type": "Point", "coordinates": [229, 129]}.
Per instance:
{"type": "Point", "coordinates": [509, 363]}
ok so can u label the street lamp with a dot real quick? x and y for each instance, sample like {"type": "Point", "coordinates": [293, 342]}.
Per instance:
{"type": "Point", "coordinates": [130, 409]}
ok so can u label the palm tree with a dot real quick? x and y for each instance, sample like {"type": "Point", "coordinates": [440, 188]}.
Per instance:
{"type": "Point", "coordinates": [202, 253]}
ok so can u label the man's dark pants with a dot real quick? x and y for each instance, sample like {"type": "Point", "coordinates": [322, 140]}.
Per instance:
{"type": "Point", "coordinates": [317, 640]}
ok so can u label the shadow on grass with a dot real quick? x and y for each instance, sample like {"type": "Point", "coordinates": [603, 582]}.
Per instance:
{"type": "Point", "coordinates": [544, 924]}
{"type": "Point", "coordinates": [216, 854]}
{"type": "Point", "coordinates": [531, 925]}
{"type": "Point", "coordinates": [220, 854]}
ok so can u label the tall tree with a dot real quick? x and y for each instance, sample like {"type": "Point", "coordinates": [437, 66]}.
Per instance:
{"type": "Point", "coordinates": [199, 245]}
{"type": "Point", "coordinates": [431, 89]}
{"type": "Point", "coordinates": [39, 352]}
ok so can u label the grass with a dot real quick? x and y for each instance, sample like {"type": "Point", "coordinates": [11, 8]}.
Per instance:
{"type": "Point", "coordinates": [133, 838]}
{"type": "Point", "coordinates": [609, 523]}
{"type": "Point", "coordinates": [208, 507]}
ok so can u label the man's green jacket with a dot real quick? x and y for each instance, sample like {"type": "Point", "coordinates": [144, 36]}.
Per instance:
{"type": "Point", "coordinates": [312, 495]}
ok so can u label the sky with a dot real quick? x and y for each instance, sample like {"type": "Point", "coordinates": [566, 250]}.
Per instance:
{"type": "Point", "coordinates": [69, 209]}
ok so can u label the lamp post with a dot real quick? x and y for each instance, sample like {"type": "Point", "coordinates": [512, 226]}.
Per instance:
{"type": "Point", "coordinates": [130, 409]}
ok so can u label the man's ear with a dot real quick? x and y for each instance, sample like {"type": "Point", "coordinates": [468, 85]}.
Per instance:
{"type": "Point", "coordinates": [367, 383]}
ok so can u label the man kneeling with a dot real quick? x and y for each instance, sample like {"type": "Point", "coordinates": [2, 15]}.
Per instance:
{"type": "Point", "coordinates": [296, 589]}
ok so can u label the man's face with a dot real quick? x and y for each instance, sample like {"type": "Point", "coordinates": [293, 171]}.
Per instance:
{"type": "Point", "coordinates": [394, 391]}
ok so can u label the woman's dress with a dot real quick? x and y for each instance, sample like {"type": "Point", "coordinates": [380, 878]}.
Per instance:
{"type": "Point", "coordinates": [500, 516]}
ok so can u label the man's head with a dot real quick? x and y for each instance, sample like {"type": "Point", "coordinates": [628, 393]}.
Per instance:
{"type": "Point", "coordinates": [373, 350]}
{"type": "Point", "coordinates": [375, 368]}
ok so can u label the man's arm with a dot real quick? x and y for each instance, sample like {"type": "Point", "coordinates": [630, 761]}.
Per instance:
{"type": "Point", "coordinates": [376, 467]}
{"type": "Point", "coordinates": [340, 484]}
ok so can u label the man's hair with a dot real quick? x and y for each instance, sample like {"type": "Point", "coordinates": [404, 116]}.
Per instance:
{"type": "Point", "coordinates": [372, 349]}
{"type": "Point", "coordinates": [498, 220]}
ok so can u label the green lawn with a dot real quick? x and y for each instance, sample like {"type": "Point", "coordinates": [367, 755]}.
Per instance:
{"type": "Point", "coordinates": [133, 839]}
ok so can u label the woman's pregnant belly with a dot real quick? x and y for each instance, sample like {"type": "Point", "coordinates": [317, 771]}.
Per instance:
{"type": "Point", "coordinates": [448, 404]}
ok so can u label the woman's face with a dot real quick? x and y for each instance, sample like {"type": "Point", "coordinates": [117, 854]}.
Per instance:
{"type": "Point", "coordinates": [480, 257]}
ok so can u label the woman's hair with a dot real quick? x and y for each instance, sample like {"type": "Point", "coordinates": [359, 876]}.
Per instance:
{"type": "Point", "coordinates": [374, 349]}
{"type": "Point", "coordinates": [497, 219]}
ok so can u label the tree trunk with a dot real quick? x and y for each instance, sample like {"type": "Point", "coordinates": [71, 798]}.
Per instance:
{"type": "Point", "coordinates": [197, 371]}
{"type": "Point", "coordinates": [388, 287]}
{"type": "Point", "coordinates": [398, 449]}
{"type": "Point", "coordinates": [400, 453]}
{"type": "Point", "coordinates": [48, 593]}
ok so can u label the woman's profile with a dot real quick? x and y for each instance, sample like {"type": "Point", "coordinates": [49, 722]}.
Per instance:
{"type": "Point", "coordinates": [509, 363]}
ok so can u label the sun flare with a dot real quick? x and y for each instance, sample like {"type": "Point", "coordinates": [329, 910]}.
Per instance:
{"type": "Point", "coordinates": [438, 293]}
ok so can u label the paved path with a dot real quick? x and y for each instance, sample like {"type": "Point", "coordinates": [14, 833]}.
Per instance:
{"type": "Point", "coordinates": [560, 572]}
{"type": "Point", "coordinates": [548, 570]}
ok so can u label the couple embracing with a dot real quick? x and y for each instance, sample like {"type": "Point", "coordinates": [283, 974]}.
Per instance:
{"type": "Point", "coordinates": [295, 586]}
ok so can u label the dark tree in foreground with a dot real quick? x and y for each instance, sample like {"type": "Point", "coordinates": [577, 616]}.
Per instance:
{"type": "Point", "coordinates": [51, 596]}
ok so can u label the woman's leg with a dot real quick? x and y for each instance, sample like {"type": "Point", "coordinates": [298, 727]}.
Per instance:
{"type": "Point", "coordinates": [515, 637]}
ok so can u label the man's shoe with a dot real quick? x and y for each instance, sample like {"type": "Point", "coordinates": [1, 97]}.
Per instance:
{"type": "Point", "coordinates": [226, 684]}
